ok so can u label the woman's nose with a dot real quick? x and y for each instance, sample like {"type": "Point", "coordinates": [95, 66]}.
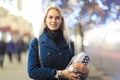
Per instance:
{"type": "Point", "coordinates": [53, 19]}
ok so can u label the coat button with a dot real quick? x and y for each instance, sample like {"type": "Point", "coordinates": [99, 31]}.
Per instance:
{"type": "Point", "coordinates": [48, 54]}
{"type": "Point", "coordinates": [60, 53]}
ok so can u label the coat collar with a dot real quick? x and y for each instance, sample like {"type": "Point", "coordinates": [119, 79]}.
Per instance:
{"type": "Point", "coordinates": [49, 43]}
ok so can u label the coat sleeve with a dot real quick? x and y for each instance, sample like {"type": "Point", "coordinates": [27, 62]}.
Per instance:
{"type": "Point", "coordinates": [35, 71]}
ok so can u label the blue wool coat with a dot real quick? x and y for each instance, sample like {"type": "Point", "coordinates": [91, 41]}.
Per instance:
{"type": "Point", "coordinates": [54, 57]}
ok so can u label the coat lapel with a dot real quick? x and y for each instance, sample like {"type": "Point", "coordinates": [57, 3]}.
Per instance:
{"type": "Point", "coordinates": [62, 44]}
{"type": "Point", "coordinates": [48, 42]}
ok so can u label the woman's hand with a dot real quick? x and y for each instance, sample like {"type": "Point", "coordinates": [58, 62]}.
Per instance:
{"type": "Point", "coordinates": [77, 66]}
{"type": "Point", "coordinates": [69, 74]}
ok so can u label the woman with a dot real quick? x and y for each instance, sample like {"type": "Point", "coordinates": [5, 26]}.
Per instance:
{"type": "Point", "coordinates": [56, 50]}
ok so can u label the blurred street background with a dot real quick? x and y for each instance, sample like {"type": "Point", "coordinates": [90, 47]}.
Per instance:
{"type": "Point", "coordinates": [94, 26]}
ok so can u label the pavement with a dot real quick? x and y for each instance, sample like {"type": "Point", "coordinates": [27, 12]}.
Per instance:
{"type": "Point", "coordinates": [14, 70]}
{"type": "Point", "coordinates": [96, 74]}
{"type": "Point", "coordinates": [104, 64]}
{"type": "Point", "coordinates": [18, 71]}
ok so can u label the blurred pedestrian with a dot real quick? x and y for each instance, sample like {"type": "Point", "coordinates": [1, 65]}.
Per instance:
{"type": "Point", "coordinates": [10, 49]}
{"type": "Point", "coordinates": [19, 48]}
{"type": "Point", "coordinates": [3, 47]}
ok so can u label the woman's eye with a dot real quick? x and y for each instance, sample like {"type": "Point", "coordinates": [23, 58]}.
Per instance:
{"type": "Point", "coordinates": [57, 17]}
{"type": "Point", "coordinates": [50, 17]}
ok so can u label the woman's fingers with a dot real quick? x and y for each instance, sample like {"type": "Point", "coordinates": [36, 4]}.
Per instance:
{"type": "Point", "coordinates": [69, 74]}
{"type": "Point", "coordinates": [73, 76]}
{"type": "Point", "coordinates": [80, 67]}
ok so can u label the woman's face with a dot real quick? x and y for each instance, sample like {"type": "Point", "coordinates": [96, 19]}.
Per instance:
{"type": "Point", "coordinates": [53, 19]}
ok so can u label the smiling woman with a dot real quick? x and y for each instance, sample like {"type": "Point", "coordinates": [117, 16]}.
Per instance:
{"type": "Point", "coordinates": [56, 50]}
{"type": "Point", "coordinates": [53, 20]}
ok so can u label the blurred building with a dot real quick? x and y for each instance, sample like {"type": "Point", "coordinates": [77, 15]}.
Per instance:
{"type": "Point", "coordinates": [12, 23]}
